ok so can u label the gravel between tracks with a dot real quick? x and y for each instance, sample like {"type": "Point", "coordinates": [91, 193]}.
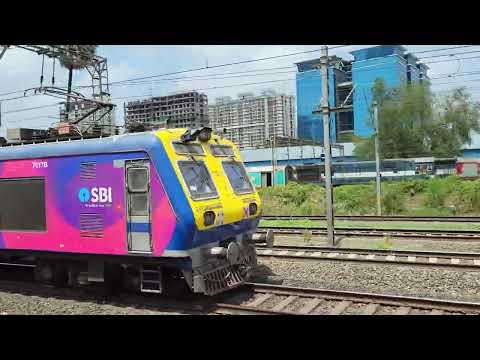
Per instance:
{"type": "Point", "coordinates": [379, 243]}
{"type": "Point", "coordinates": [31, 299]}
{"type": "Point", "coordinates": [385, 279]}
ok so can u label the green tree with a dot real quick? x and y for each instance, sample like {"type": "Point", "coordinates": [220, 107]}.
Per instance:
{"type": "Point", "coordinates": [412, 122]}
{"type": "Point", "coordinates": [75, 57]}
{"type": "Point", "coordinates": [457, 115]}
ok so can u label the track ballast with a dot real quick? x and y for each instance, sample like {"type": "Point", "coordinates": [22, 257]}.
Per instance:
{"type": "Point", "coordinates": [263, 299]}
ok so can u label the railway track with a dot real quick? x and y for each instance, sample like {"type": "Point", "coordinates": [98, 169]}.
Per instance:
{"type": "Point", "coordinates": [473, 219]}
{"type": "Point", "coordinates": [266, 299]}
{"type": "Point", "coordinates": [436, 259]}
{"type": "Point", "coordinates": [458, 235]}
{"type": "Point", "coordinates": [258, 299]}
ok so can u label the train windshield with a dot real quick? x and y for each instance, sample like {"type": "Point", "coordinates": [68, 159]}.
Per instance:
{"type": "Point", "coordinates": [188, 148]}
{"type": "Point", "coordinates": [221, 150]}
{"type": "Point", "coordinates": [198, 180]}
{"type": "Point", "coordinates": [238, 177]}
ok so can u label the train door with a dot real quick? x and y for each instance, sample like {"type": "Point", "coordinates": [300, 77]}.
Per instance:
{"type": "Point", "coordinates": [266, 179]}
{"type": "Point", "coordinates": [138, 206]}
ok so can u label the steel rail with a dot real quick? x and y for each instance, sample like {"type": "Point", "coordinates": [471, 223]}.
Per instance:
{"type": "Point", "coordinates": [475, 219]}
{"type": "Point", "coordinates": [458, 235]}
{"type": "Point", "coordinates": [436, 259]}
{"type": "Point", "coordinates": [281, 297]}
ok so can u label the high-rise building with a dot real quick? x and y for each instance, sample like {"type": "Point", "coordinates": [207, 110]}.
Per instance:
{"type": "Point", "coordinates": [350, 83]}
{"type": "Point", "coordinates": [251, 121]}
{"type": "Point", "coordinates": [184, 110]}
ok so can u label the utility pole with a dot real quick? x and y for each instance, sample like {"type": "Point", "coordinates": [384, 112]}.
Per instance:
{"type": "Point", "coordinates": [377, 159]}
{"type": "Point", "coordinates": [326, 143]}
{"type": "Point", "coordinates": [325, 110]}
{"type": "Point", "coordinates": [273, 143]}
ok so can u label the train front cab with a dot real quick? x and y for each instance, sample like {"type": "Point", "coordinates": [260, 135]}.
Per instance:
{"type": "Point", "coordinates": [225, 206]}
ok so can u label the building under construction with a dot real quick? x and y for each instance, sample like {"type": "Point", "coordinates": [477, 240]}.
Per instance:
{"type": "Point", "coordinates": [252, 121]}
{"type": "Point", "coordinates": [187, 110]}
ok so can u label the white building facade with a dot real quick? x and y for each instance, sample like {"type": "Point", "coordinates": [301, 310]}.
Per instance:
{"type": "Point", "coordinates": [252, 121]}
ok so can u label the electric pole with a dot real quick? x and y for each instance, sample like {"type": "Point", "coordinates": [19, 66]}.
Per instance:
{"type": "Point", "coordinates": [273, 143]}
{"type": "Point", "coordinates": [326, 145]}
{"type": "Point", "coordinates": [325, 110]}
{"type": "Point", "coordinates": [377, 159]}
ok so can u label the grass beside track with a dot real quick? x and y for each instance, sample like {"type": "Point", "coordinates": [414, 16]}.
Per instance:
{"type": "Point", "coordinates": [421, 197]}
{"type": "Point", "coordinates": [373, 225]}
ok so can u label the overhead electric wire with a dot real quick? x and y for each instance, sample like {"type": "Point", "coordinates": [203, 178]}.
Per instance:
{"type": "Point", "coordinates": [12, 92]}
{"type": "Point", "coordinates": [209, 67]}
{"type": "Point", "coordinates": [456, 82]}
{"type": "Point", "coordinates": [211, 76]}
{"type": "Point", "coordinates": [442, 49]}
{"type": "Point", "coordinates": [215, 66]}
{"type": "Point", "coordinates": [216, 78]}
{"type": "Point", "coordinates": [469, 88]}
{"type": "Point", "coordinates": [137, 81]}
{"type": "Point", "coordinates": [453, 75]}
{"type": "Point", "coordinates": [210, 88]}
{"type": "Point", "coordinates": [17, 97]}
{"type": "Point", "coordinates": [451, 54]}
{"type": "Point", "coordinates": [226, 64]}
{"type": "Point", "coordinates": [32, 108]}
{"type": "Point", "coordinates": [456, 59]}
{"type": "Point", "coordinates": [64, 51]}
{"type": "Point", "coordinates": [130, 82]}
{"type": "Point", "coordinates": [200, 77]}
{"type": "Point", "coordinates": [51, 116]}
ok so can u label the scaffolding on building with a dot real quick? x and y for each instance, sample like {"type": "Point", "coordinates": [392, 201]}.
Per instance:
{"type": "Point", "coordinates": [181, 110]}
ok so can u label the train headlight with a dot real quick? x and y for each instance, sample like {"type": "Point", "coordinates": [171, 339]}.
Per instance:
{"type": "Point", "coordinates": [209, 218]}
{"type": "Point", "coordinates": [252, 209]}
{"type": "Point", "coordinates": [205, 135]}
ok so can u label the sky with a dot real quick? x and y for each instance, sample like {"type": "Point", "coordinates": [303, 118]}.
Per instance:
{"type": "Point", "coordinates": [21, 70]}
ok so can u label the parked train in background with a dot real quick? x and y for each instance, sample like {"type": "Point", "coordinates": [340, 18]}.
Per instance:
{"type": "Point", "coordinates": [355, 172]}
{"type": "Point", "coordinates": [468, 168]}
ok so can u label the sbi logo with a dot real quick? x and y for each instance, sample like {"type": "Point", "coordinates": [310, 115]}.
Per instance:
{"type": "Point", "coordinates": [95, 195]}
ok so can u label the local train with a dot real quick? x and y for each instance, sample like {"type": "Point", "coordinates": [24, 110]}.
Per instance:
{"type": "Point", "coordinates": [154, 211]}
{"type": "Point", "coordinates": [365, 171]}
{"type": "Point", "coordinates": [354, 172]}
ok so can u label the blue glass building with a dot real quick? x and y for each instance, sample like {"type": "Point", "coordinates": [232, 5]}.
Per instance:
{"type": "Point", "coordinates": [389, 62]}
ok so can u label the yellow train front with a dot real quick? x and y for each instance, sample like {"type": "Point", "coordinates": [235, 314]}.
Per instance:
{"type": "Point", "coordinates": [225, 206]}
